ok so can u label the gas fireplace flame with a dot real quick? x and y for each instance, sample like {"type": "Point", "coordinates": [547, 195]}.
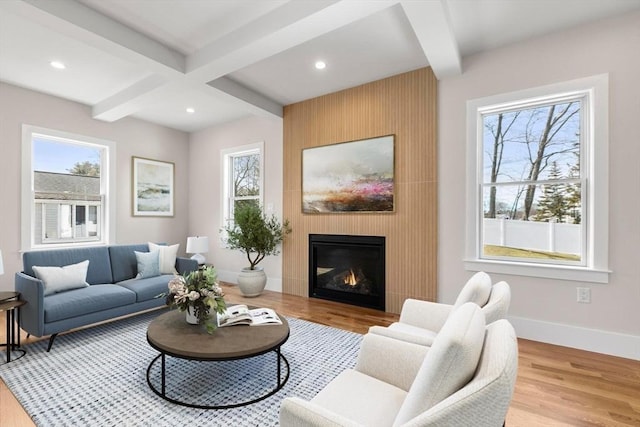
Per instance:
{"type": "Point", "coordinates": [350, 278]}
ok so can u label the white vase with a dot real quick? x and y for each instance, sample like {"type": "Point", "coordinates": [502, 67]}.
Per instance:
{"type": "Point", "coordinates": [191, 315]}
{"type": "Point", "coordinates": [252, 282]}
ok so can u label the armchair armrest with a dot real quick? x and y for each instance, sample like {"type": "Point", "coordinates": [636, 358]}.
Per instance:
{"type": "Point", "coordinates": [32, 313]}
{"type": "Point", "coordinates": [425, 314]}
{"type": "Point", "coordinates": [390, 360]}
{"type": "Point", "coordinates": [186, 265]}
{"type": "Point", "coordinates": [426, 340]}
{"type": "Point", "coordinates": [296, 412]}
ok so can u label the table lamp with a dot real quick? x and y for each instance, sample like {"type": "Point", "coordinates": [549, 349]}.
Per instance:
{"type": "Point", "coordinates": [198, 245]}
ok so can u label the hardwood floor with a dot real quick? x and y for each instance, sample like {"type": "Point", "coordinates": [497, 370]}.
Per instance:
{"type": "Point", "coordinates": [556, 386]}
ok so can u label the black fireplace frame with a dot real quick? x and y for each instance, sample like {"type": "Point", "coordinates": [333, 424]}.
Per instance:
{"type": "Point", "coordinates": [371, 301]}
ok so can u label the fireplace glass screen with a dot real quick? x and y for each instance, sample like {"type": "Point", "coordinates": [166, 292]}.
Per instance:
{"type": "Point", "coordinates": [347, 269]}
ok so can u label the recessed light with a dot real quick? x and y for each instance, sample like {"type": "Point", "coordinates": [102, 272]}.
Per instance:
{"type": "Point", "coordinates": [191, 110]}
{"type": "Point", "coordinates": [321, 65]}
{"type": "Point", "coordinates": [58, 65]}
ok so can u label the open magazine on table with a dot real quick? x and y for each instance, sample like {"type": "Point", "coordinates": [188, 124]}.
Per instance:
{"type": "Point", "coordinates": [242, 315]}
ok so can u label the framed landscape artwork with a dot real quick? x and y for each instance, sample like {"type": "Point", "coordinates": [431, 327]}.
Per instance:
{"type": "Point", "coordinates": [153, 190]}
{"type": "Point", "coordinates": [356, 176]}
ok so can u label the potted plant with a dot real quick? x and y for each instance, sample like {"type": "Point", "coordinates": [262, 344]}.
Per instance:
{"type": "Point", "coordinates": [257, 235]}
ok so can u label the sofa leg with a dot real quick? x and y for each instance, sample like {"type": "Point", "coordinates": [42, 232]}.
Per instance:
{"type": "Point", "coordinates": [51, 338]}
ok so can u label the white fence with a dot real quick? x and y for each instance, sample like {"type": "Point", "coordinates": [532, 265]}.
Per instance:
{"type": "Point", "coordinates": [542, 236]}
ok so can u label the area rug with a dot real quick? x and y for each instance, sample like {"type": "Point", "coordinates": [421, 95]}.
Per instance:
{"type": "Point", "coordinates": [97, 377]}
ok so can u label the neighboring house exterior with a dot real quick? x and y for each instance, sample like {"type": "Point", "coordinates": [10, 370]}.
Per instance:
{"type": "Point", "coordinates": [67, 207]}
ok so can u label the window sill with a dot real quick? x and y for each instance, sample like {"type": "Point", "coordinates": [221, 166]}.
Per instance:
{"type": "Point", "coordinates": [578, 274]}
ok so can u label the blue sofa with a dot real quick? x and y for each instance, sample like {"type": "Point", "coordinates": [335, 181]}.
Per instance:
{"type": "Point", "coordinates": [113, 289]}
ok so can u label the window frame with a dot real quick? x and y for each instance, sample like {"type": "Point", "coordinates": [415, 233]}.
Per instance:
{"type": "Point", "coordinates": [107, 214]}
{"type": "Point", "coordinates": [226, 167]}
{"type": "Point", "coordinates": [594, 180]}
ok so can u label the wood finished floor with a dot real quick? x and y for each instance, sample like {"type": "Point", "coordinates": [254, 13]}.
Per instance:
{"type": "Point", "coordinates": [556, 386]}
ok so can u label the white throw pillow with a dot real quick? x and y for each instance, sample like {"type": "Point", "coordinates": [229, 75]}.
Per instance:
{"type": "Point", "coordinates": [168, 256]}
{"type": "Point", "coordinates": [59, 279]}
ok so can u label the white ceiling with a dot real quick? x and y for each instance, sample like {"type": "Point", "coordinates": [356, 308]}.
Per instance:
{"type": "Point", "coordinates": [230, 59]}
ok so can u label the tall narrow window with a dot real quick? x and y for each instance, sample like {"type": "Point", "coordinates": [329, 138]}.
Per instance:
{"type": "Point", "coordinates": [65, 189]}
{"type": "Point", "coordinates": [242, 169]}
{"type": "Point", "coordinates": [537, 182]}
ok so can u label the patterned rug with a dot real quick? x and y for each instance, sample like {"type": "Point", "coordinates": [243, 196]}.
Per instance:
{"type": "Point", "coordinates": [97, 377]}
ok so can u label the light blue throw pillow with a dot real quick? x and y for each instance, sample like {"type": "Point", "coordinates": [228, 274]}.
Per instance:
{"type": "Point", "coordinates": [148, 264]}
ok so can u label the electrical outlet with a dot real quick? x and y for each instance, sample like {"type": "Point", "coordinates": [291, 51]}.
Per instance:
{"type": "Point", "coordinates": [584, 295]}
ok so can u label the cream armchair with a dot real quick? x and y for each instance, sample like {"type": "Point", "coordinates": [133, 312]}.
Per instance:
{"type": "Point", "coordinates": [466, 378]}
{"type": "Point", "coordinates": [420, 321]}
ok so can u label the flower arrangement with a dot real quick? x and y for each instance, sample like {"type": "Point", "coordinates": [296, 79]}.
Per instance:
{"type": "Point", "coordinates": [200, 291]}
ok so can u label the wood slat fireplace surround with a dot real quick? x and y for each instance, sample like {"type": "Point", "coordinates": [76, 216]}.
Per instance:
{"type": "Point", "coordinates": [403, 106]}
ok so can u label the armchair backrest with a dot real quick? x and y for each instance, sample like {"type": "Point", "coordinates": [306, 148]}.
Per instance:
{"type": "Point", "coordinates": [486, 398]}
{"type": "Point", "coordinates": [498, 305]}
{"type": "Point", "coordinates": [449, 364]}
{"type": "Point", "coordinates": [476, 290]}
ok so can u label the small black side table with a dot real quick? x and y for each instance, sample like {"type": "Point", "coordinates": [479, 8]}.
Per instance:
{"type": "Point", "coordinates": [10, 304]}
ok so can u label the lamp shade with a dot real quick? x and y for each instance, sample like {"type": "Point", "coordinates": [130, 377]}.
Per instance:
{"type": "Point", "coordinates": [1, 266]}
{"type": "Point", "coordinates": [197, 245]}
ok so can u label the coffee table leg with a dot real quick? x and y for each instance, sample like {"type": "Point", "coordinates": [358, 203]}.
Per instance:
{"type": "Point", "coordinates": [163, 375]}
{"type": "Point", "coordinates": [279, 370]}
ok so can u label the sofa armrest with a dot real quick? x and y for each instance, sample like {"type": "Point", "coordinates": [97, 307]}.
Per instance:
{"type": "Point", "coordinates": [390, 360]}
{"type": "Point", "coordinates": [186, 265]}
{"type": "Point", "coordinates": [32, 313]}
{"type": "Point", "coordinates": [425, 314]}
{"type": "Point", "coordinates": [296, 412]}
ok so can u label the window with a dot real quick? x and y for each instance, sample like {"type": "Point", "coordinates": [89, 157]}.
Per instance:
{"type": "Point", "coordinates": [65, 189]}
{"type": "Point", "coordinates": [242, 180]}
{"type": "Point", "coordinates": [537, 182]}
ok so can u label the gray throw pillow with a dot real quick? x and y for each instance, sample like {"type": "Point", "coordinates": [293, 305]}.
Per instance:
{"type": "Point", "coordinates": [148, 264]}
{"type": "Point", "coordinates": [59, 279]}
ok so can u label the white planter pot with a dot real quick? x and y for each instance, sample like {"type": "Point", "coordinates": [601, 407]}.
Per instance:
{"type": "Point", "coordinates": [252, 282]}
{"type": "Point", "coordinates": [191, 315]}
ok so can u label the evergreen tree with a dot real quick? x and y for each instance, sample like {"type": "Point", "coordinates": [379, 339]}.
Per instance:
{"type": "Point", "coordinates": [574, 193]}
{"type": "Point", "coordinates": [553, 203]}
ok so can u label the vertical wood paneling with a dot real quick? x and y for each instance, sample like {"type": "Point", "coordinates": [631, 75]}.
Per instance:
{"type": "Point", "coordinates": [403, 105]}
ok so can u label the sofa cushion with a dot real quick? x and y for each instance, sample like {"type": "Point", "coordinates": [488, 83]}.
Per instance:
{"type": "Point", "coordinates": [449, 364]}
{"type": "Point", "coordinates": [146, 289]}
{"type": "Point", "coordinates": [148, 264]}
{"type": "Point", "coordinates": [99, 266]}
{"type": "Point", "coordinates": [168, 256]}
{"type": "Point", "coordinates": [351, 394]}
{"type": "Point", "coordinates": [78, 302]}
{"type": "Point", "coordinates": [124, 264]}
{"type": "Point", "coordinates": [60, 279]}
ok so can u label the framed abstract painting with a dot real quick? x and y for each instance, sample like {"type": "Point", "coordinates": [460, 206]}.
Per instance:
{"type": "Point", "coordinates": [153, 189]}
{"type": "Point", "coordinates": [355, 176]}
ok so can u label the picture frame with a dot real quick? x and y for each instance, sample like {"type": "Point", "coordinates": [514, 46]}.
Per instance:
{"type": "Point", "coordinates": [152, 187]}
{"type": "Point", "coordinates": [349, 177]}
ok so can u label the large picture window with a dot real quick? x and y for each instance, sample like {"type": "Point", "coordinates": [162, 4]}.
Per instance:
{"type": "Point", "coordinates": [65, 189]}
{"type": "Point", "coordinates": [536, 188]}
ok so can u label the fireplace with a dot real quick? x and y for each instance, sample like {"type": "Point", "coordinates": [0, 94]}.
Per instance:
{"type": "Point", "coordinates": [349, 269]}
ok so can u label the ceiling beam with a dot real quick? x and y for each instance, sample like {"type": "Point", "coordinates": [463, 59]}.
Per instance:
{"type": "Point", "coordinates": [432, 25]}
{"type": "Point", "coordinates": [102, 32]}
{"type": "Point", "coordinates": [250, 97]}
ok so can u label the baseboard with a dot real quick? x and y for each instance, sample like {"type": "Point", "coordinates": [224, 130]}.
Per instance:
{"type": "Point", "coordinates": [611, 343]}
{"type": "Point", "coordinates": [229, 276]}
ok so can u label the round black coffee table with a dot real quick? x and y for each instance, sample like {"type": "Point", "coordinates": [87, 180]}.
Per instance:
{"type": "Point", "coordinates": [172, 336]}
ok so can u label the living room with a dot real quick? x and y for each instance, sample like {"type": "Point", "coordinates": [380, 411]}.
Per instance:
{"type": "Point", "coordinates": [542, 308]}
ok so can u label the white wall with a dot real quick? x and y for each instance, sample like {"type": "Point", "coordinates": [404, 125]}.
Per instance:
{"type": "Point", "coordinates": [205, 189]}
{"type": "Point", "coordinates": [133, 137]}
{"type": "Point", "coordinates": [545, 309]}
